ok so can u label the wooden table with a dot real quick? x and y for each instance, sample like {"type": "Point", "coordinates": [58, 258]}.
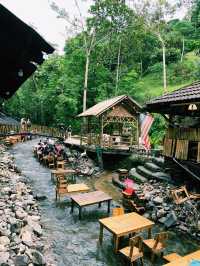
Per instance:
{"type": "Point", "coordinates": [90, 198]}
{"type": "Point", "coordinates": [124, 225]}
{"type": "Point", "coordinates": [62, 172]}
{"type": "Point", "coordinates": [185, 261]}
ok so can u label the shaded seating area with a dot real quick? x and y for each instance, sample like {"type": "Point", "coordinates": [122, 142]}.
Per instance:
{"type": "Point", "coordinates": [112, 124]}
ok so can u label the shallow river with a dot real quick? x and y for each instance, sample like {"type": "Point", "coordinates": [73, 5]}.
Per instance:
{"type": "Point", "coordinates": [74, 242]}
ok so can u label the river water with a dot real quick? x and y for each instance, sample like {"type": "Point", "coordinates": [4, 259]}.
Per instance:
{"type": "Point", "coordinates": [70, 241]}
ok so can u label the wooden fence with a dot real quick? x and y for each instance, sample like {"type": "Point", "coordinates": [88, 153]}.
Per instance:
{"type": "Point", "coordinates": [6, 130]}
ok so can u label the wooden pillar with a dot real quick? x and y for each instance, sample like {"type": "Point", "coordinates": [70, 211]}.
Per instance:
{"type": "Point", "coordinates": [101, 131]}
{"type": "Point", "coordinates": [81, 139]}
{"type": "Point", "coordinates": [89, 131]}
{"type": "Point", "coordinates": [138, 131]}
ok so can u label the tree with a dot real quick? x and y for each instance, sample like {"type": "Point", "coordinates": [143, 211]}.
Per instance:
{"type": "Point", "coordinates": [88, 34]}
{"type": "Point", "coordinates": [155, 14]}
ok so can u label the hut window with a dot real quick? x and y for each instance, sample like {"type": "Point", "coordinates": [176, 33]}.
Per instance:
{"type": "Point", "coordinates": [193, 151]}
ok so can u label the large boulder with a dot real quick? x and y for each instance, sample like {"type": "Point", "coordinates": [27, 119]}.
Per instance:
{"type": "Point", "coordinates": [4, 257]}
{"type": "Point", "coordinates": [37, 257]}
{"type": "Point", "coordinates": [21, 260]}
{"type": "Point", "coordinates": [4, 240]}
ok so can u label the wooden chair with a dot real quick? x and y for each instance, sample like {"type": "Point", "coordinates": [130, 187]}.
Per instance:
{"type": "Point", "coordinates": [63, 188]}
{"type": "Point", "coordinates": [156, 245]}
{"type": "Point", "coordinates": [117, 211]}
{"type": "Point", "coordinates": [134, 251]}
{"type": "Point", "coordinates": [51, 165]}
{"type": "Point", "coordinates": [136, 208]}
{"type": "Point", "coordinates": [60, 164]}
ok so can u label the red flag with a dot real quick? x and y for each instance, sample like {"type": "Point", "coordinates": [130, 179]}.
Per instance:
{"type": "Point", "coordinates": [146, 123]}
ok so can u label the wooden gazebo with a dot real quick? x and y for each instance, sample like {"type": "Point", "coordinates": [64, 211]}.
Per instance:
{"type": "Point", "coordinates": [112, 123]}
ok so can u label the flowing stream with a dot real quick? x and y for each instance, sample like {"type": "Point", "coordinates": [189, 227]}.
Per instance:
{"type": "Point", "coordinates": [73, 242]}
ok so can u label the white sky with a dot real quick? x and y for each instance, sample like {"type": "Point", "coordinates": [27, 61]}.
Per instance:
{"type": "Point", "coordinates": [39, 14]}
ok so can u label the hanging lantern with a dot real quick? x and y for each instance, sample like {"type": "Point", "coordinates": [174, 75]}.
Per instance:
{"type": "Point", "coordinates": [192, 107]}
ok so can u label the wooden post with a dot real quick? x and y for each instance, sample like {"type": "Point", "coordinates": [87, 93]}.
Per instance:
{"type": "Point", "coordinates": [101, 131]}
{"type": "Point", "coordinates": [81, 139]}
{"type": "Point", "coordinates": [138, 131]}
{"type": "Point", "coordinates": [101, 234]}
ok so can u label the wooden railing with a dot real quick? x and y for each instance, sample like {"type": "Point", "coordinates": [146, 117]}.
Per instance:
{"type": "Point", "coordinates": [110, 140]}
{"type": "Point", "coordinates": [6, 130]}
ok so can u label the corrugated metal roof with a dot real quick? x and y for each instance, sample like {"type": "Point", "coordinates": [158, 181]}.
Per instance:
{"type": "Point", "coordinates": [103, 106]}
{"type": "Point", "coordinates": [21, 51]}
{"type": "Point", "coordinates": [187, 93]}
{"type": "Point", "coordinates": [7, 120]}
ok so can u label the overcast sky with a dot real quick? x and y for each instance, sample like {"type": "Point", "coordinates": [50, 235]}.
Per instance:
{"type": "Point", "coordinates": [44, 19]}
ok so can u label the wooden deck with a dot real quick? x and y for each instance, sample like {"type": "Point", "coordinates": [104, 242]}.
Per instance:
{"type": "Point", "coordinates": [75, 142]}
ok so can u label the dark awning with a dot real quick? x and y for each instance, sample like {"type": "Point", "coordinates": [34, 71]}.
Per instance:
{"type": "Point", "coordinates": [177, 102]}
{"type": "Point", "coordinates": [21, 49]}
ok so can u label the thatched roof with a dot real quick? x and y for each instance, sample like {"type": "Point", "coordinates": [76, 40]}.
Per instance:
{"type": "Point", "coordinates": [103, 106]}
{"type": "Point", "coordinates": [21, 50]}
{"type": "Point", "coordinates": [176, 102]}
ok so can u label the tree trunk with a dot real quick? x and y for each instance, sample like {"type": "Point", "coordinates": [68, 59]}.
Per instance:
{"type": "Point", "coordinates": [164, 69]}
{"type": "Point", "coordinates": [86, 81]}
{"type": "Point", "coordinates": [164, 62]}
{"type": "Point", "coordinates": [183, 50]}
{"type": "Point", "coordinates": [118, 65]}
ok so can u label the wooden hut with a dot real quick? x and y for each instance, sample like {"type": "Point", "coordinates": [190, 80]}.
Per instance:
{"type": "Point", "coordinates": [112, 123]}
{"type": "Point", "coordinates": [181, 108]}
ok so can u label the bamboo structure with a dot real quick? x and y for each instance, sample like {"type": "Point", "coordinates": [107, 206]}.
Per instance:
{"type": "Point", "coordinates": [112, 123]}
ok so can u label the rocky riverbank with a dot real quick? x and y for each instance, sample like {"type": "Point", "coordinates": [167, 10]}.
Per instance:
{"type": "Point", "coordinates": [162, 208]}
{"type": "Point", "coordinates": [21, 232]}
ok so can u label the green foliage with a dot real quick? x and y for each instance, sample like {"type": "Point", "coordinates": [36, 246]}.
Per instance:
{"type": "Point", "coordinates": [54, 94]}
{"type": "Point", "coordinates": [157, 131]}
